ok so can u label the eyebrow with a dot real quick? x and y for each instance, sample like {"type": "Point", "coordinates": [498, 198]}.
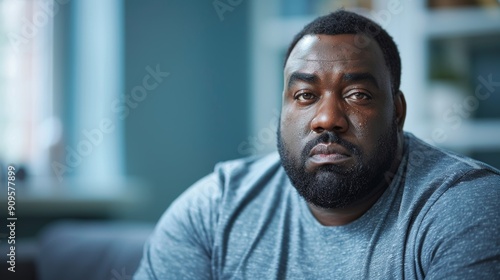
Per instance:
{"type": "Point", "coordinates": [348, 77]}
{"type": "Point", "coordinates": [304, 77]}
{"type": "Point", "coordinates": [358, 77]}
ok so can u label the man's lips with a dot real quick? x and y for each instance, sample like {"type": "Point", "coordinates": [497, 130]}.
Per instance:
{"type": "Point", "coordinates": [328, 153]}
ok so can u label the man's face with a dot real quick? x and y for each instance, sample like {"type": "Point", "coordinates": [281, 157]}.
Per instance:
{"type": "Point", "coordinates": [339, 124]}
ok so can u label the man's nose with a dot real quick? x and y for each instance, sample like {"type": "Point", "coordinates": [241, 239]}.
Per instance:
{"type": "Point", "coordinates": [330, 116]}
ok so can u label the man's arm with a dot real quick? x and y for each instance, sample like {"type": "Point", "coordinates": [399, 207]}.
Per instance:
{"type": "Point", "coordinates": [181, 244]}
{"type": "Point", "coordinates": [461, 234]}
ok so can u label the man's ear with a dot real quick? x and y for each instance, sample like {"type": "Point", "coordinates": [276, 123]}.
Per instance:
{"type": "Point", "coordinates": [400, 105]}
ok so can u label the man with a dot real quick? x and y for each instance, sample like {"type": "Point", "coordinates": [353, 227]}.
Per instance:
{"type": "Point", "coordinates": [350, 195]}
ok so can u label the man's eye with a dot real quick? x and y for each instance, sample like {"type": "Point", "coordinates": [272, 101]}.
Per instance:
{"type": "Point", "coordinates": [359, 96]}
{"type": "Point", "coordinates": [305, 96]}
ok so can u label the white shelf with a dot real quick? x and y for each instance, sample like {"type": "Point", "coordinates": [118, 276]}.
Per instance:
{"type": "Point", "coordinates": [462, 22]}
{"type": "Point", "coordinates": [472, 135]}
{"type": "Point", "coordinates": [438, 23]}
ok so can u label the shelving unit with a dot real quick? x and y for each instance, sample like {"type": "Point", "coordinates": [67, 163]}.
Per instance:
{"type": "Point", "coordinates": [462, 22]}
{"type": "Point", "coordinates": [469, 28]}
{"type": "Point", "coordinates": [414, 27]}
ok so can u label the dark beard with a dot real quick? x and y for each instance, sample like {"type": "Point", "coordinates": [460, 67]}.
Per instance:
{"type": "Point", "coordinates": [332, 186]}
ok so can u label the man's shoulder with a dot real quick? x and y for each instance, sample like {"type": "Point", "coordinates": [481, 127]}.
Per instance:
{"type": "Point", "coordinates": [435, 178]}
{"type": "Point", "coordinates": [427, 161]}
{"type": "Point", "coordinates": [450, 202]}
{"type": "Point", "coordinates": [231, 176]}
{"type": "Point", "coordinates": [248, 167]}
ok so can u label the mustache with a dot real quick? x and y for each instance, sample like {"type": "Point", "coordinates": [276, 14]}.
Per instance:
{"type": "Point", "coordinates": [330, 137]}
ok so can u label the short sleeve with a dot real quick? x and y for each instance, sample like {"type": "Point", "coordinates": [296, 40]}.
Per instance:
{"type": "Point", "coordinates": [181, 244]}
{"type": "Point", "coordinates": [461, 232]}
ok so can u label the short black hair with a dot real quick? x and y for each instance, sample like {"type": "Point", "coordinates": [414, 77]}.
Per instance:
{"type": "Point", "coordinates": [344, 22]}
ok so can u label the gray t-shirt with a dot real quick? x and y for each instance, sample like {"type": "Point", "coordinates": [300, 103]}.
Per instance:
{"type": "Point", "coordinates": [438, 219]}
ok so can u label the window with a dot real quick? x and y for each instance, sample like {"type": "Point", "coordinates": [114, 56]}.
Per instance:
{"type": "Point", "coordinates": [28, 124]}
{"type": "Point", "coordinates": [47, 110]}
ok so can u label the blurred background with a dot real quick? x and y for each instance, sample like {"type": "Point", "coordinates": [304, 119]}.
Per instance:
{"type": "Point", "coordinates": [111, 109]}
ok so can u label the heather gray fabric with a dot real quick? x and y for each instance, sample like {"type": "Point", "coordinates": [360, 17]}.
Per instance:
{"type": "Point", "coordinates": [439, 219]}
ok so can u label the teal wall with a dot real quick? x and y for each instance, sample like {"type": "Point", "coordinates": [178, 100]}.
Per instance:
{"type": "Point", "coordinates": [198, 115]}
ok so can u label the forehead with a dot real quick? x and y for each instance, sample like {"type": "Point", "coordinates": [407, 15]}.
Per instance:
{"type": "Point", "coordinates": [329, 52]}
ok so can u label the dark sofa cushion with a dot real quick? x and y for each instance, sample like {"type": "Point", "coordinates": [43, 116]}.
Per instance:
{"type": "Point", "coordinates": [91, 250]}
